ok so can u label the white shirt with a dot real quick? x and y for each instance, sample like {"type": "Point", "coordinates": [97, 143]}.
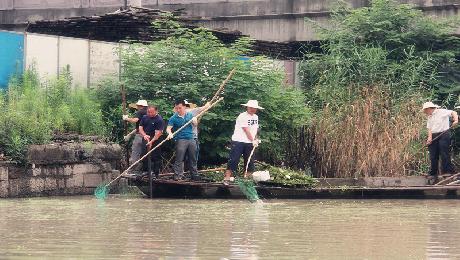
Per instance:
{"type": "Point", "coordinates": [245, 120]}
{"type": "Point", "coordinates": [439, 121]}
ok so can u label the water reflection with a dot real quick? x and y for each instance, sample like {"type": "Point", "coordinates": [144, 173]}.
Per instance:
{"type": "Point", "coordinates": [444, 231]}
{"type": "Point", "coordinates": [83, 227]}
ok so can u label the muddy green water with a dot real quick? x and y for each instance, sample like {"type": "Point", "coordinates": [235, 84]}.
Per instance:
{"type": "Point", "coordinates": [121, 228]}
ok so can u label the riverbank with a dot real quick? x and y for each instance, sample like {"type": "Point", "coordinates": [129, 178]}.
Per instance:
{"type": "Point", "coordinates": [61, 168]}
{"type": "Point", "coordinates": [72, 166]}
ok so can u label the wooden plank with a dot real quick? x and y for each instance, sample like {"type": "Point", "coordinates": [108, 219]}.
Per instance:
{"type": "Point", "coordinates": [447, 179]}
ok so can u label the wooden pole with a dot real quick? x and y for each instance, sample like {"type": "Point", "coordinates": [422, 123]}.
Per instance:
{"type": "Point", "coordinates": [249, 161]}
{"type": "Point", "coordinates": [222, 86]}
{"type": "Point", "coordinates": [125, 124]}
{"type": "Point", "coordinates": [447, 179]}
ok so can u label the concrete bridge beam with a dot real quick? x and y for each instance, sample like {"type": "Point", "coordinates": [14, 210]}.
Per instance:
{"type": "Point", "coordinates": [272, 20]}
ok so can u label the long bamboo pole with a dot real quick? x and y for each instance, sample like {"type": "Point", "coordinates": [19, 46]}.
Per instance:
{"type": "Point", "coordinates": [125, 123]}
{"type": "Point", "coordinates": [222, 86]}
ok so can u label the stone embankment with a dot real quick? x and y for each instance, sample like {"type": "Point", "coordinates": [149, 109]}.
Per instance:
{"type": "Point", "coordinates": [65, 168]}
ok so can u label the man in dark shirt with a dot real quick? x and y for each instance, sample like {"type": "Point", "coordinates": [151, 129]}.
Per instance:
{"type": "Point", "coordinates": [151, 128]}
{"type": "Point", "coordinates": [138, 147]}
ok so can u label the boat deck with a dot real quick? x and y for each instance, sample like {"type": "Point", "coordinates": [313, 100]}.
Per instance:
{"type": "Point", "coordinates": [166, 188]}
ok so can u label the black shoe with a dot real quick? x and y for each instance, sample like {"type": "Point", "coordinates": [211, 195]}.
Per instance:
{"type": "Point", "coordinates": [196, 178]}
{"type": "Point", "coordinates": [432, 179]}
{"type": "Point", "coordinates": [178, 177]}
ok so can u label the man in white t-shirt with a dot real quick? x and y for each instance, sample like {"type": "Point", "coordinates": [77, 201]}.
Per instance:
{"type": "Point", "coordinates": [244, 138]}
{"type": "Point", "coordinates": [438, 140]}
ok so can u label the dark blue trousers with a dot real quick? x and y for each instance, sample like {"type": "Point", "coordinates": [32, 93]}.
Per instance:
{"type": "Point", "coordinates": [440, 149]}
{"type": "Point", "coordinates": [240, 149]}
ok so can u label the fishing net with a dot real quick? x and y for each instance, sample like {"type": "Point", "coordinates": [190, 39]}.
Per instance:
{"type": "Point", "coordinates": [248, 189]}
{"type": "Point", "coordinates": [102, 191]}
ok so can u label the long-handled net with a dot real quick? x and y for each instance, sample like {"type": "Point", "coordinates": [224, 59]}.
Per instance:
{"type": "Point", "coordinates": [102, 191]}
{"type": "Point", "coordinates": [247, 186]}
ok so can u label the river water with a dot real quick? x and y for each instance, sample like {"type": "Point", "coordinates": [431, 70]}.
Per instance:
{"type": "Point", "coordinates": [137, 228]}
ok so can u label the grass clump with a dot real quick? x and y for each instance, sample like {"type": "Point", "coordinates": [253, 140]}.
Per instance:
{"type": "Point", "coordinates": [32, 110]}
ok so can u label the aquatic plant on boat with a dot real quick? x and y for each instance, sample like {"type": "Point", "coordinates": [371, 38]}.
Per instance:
{"type": "Point", "coordinates": [289, 177]}
{"type": "Point", "coordinates": [278, 175]}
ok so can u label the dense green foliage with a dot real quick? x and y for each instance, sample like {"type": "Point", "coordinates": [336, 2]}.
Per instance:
{"type": "Point", "coordinates": [385, 44]}
{"type": "Point", "coordinates": [404, 58]}
{"type": "Point", "coordinates": [191, 65]}
{"type": "Point", "coordinates": [33, 110]}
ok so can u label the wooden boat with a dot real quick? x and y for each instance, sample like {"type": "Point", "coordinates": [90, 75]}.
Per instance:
{"type": "Point", "coordinates": [166, 188]}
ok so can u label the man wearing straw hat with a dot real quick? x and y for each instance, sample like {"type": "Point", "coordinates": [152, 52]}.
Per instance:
{"type": "Point", "coordinates": [244, 138]}
{"type": "Point", "coordinates": [138, 147]}
{"type": "Point", "coordinates": [438, 140]}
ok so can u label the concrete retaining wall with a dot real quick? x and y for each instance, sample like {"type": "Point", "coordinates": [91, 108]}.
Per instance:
{"type": "Point", "coordinates": [61, 169]}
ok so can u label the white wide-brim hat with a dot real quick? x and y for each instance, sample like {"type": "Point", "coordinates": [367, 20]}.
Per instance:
{"type": "Point", "coordinates": [429, 105]}
{"type": "Point", "coordinates": [253, 104]}
{"type": "Point", "coordinates": [189, 104]}
{"type": "Point", "coordinates": [142, 102]}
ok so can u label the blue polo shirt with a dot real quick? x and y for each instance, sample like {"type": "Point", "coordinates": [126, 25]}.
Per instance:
{"type": "Point", "coordinates": [177, 122]}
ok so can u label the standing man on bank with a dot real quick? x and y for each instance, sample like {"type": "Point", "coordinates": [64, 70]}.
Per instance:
{"type": "Point", "coordinates": [244, 139]}
{"type": "Point", "coordinates": [151, 128]}
{"type": "Point", "coordinates": [138, 147]}
{"type": "Point", "coordinates": [185, 143]}
{"type": "Point", "coordinates": [439, 139]}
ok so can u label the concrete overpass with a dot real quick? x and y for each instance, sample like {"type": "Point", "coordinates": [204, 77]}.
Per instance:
{"type": "Point", "coordinates": [271, 20]}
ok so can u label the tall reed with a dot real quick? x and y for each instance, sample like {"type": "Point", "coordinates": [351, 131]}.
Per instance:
{"type": "Point", "coordinates": [372, 136]}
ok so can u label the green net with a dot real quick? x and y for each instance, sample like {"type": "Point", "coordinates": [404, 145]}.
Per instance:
{"type": "Point", "coordinates": [248, 189]}
{"type": "Point", "coordinates": [102, 191]}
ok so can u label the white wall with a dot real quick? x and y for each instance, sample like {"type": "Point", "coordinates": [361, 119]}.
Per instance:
{"type": "Point", "coordinates": [74, 54]}
{"type": "Point", "coordinates": [89, 61]}
{"type": "Point", "coordinates": [104, 61]}
{"type": "Point", "coordinates": [42, 52]}
{"type": "Point", "coordinates": [6, 4]}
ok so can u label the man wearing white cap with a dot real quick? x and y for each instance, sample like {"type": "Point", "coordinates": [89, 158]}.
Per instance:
{"type": "Point", "coordinates": [138, 147]}
{"type": "Point", "coordinates": [244, 138]}
{"type": "Point", "coordinates": [438, 140]}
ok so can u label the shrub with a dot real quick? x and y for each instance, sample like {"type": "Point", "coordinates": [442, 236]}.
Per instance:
{"type": "Point", "coordinates": [32, 111]}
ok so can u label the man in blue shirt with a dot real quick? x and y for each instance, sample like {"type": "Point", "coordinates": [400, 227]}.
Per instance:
{"type": "Point", "coordinates": [185, 142]}
{"type": "Point", "coordinates": [151, 128]}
